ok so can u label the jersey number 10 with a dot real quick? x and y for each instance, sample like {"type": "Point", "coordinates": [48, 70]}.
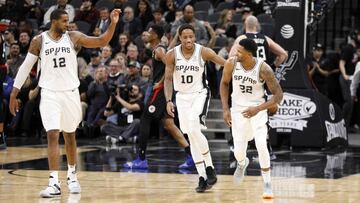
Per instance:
{"type": "Point", "coordinates": [61, 62]}
{"type": "Point", "coordinates": [187, 79]}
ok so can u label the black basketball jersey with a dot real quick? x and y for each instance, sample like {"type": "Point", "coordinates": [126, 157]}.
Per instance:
{"type": "Point", "coordinates": [2, 51]}
{"type": "Point", "coordinates": [263, 46]}
{"type": "Point", "coordinates": [158, 66]}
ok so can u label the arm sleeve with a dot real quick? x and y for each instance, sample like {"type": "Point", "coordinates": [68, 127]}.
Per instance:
{"type": "Point", "coordinates": [25, 69]}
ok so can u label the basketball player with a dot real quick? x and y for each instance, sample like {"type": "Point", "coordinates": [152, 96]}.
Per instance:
{"type": "Point", "coordinates": [248, 115]}
{"type": "Point", "coordinates": [185, 67]}
{"type": "Point", "coordinates": [264, 43]}
{"type": "Point", "coordinates": [60, 106]}
{"type": "Point", "coordinates": [265, 46]}
{"type": "Point", "coordinates": [3, 73]}
{"type": "Point", "coordinates": [156, 106]}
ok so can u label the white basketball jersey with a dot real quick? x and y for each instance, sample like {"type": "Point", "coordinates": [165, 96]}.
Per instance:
{"type": "Point", "coordinates": [189, 75]}
{"type": "Point", "coordinates": [58, 64]}
{"type": "Point", "coordinates": [248, 89]}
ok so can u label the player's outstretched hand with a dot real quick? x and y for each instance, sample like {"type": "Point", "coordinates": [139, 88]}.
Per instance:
{"type": "Point", "coordinates": [115, 15]}
{"type": "Point", "coordinates": [170, 109]}
{"type": "Point", "coordinates": [227, 118]}
{"type": "Point", "coordinates": [13, 105]}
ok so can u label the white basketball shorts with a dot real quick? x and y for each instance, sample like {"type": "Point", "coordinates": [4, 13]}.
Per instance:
{"type": "Point", "coordinates": [192, 108]}
{"type": "Point", "coordinates": [60, 110]}
{"type": "Point", "coordinates": [247, 128]}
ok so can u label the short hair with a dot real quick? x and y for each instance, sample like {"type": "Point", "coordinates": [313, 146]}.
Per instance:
{"type": "Point", "coordinates": [184, 8]}
{"type": "Point", "coordinates": [184, 27]}
{"type": "Point", "coordinates": [15, 43]}
{"type": "Point", "coordinates": [249, 45]}
{"type": "Point", "coordinates": [159, 30]}
{"type": "Point", "coordinates": [57, 13]}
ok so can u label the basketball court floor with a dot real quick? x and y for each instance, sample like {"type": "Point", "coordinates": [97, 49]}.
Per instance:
{"type": "Point", "coordinates": [299, 175]}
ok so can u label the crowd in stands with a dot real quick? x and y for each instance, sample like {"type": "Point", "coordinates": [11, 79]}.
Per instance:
{"type": "Point", "coordinates": [115, 79]}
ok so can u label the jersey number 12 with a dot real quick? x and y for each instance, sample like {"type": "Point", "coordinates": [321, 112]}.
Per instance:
{"type": "Point", "coordinates": [61, 62]}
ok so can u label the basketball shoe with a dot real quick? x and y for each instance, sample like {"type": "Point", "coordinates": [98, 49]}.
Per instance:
{"type": "Point", "coordinates": [52, 190]}
{"type": "Point", "coordinates": [211, 175]}
{"type": "Point", "coordinates": [188, 164]}
{"type": "Point", "coordinates": [203, 185]}
{"type": "Point", "coordinates": [240, 171]}
{"type": "Point", "coordinates": [268, 194]}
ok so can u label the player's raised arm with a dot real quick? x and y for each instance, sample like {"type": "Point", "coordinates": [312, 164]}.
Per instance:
{"type": "Point", "coordinates": [209, 55]}
{"type": "Point", "coordinates": [267, 74]}
{"type": "Point", "coordinates": [168, 81]}
{"type": "Point", "coordinates": [224, 88]}
{"type": "Point", "coordinates": [24, 70]}
{"type": "Point", "coordinates": [101, 41]}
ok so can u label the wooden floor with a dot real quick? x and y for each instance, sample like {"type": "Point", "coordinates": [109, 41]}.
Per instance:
{"type": "Point", "coordinates": [22, 185]}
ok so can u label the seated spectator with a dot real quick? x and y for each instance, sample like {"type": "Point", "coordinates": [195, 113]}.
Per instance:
{"type": "Point", "coordinates": [61, 4]}
{"type": "Point", "coordinates": [87, 13]}
{"type": "Point", "coordinates": [14, 59]}
{"type": "Point", "coordinates": [122, 44]}
{"type": "Point", "coordinates": [169, 8]}
{"type": "Point", "coordinates": [103, 23]}
{"type": "Point", "coordinates": [106, 53]}
{"type": "Point", "coordinates": [97, 95]}
{"type": "Point", "coordinates": [225, 26]}
{"type": "Point", "coordinates": [141, 41]}
{"type": "Point", "coordinates": [144, 12]}
{"type": "Point", "coordinates": [129, 24]}
{"type": "Point", "coordinates": [146, 72]}
{"type": "Point", "coordinates": [133, 76]}
{"type": "Point", "coordinates": [9, 38]}
{"type": "Point", "coordinates": [123, 115]}
{"type": "Point", "coordinates": [116, 75]}
{"type": "Point", "coordinates": [132, 53]}
{"type": "Point", "coordinates": [255, 7]}
{"type": "Point", "coordinates": [34, 10]}
{"type": "Point", "coordinates": [24, 40]}
{"type": "Point", "coordinates": [85, 80]}
{"type": "Point", "coordinates": [122, 60]}
{"type": "Point", "coordinates": [95, 61]}
{"type": "Point", "coordinates": [158, 20]}
{"type": "Point", "coordinates": [73, 27]}
{"type": "Point", "coordinates": [200, 30]}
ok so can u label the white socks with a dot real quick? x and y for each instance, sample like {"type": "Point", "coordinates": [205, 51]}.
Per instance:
{"type": "Point", "coordinates": [71, 173]}
{"type": "Point", "coordinates": [266, 176]}
{"type": "Point", "coordinates": [54, 177]}
{"type": "Point", "coordinates": [208, 160]}
{"type": "Point", "coordinates": [200, 167]}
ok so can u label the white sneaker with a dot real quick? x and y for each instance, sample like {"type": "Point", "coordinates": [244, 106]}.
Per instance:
{"type": "Point", "coordinates": [240, 171]}
{"type": "Point", "coordinates": [52, 190]}
{"type": "Point", "coordinates": [268, 194]}
{"type": "Point", "coordinates": [74, 186]}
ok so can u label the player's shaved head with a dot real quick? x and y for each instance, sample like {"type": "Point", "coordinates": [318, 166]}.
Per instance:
{"type": "Point", "coordinates": [251, 23]}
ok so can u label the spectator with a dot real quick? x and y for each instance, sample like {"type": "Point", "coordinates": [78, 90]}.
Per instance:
{"type": "Point", "coordinates": [132, 52]}
{"type": "Point", "coordinates": [95, 61]}
{"type": "Point", "coordinates": [144, 12]}
{"type": "Point", "coordinates": [73, 27]}
{"type": "Point", "coordinates": [317, 70]}
{"type": "Point", "coordinates": [244, 6]}
{"type": "Point", "coordinates": [169, 8]}
{"type": "Point", "coordinates": [97, 96]}
{"type": "Point", "coordinates": [14, 60]}
{"type": "Point", "coordinates": [123, 43]}
{"type": "Point", "coordinates": [348, 60]}
{"type": "Point", "coordinates": [116, 75]}
{"type": "Point", "coordinates": [24, 39]}
{"type": "Point", "coordinates": [122, 60]}
{"type": "Point", "coordinates": [106, 53]}
{"type": "Point", "coordinates": [34, 10]}
{"type": "Point", "coordinates": [225, 27]}
{"type": "Point", "coordinates": [141, 41]}
{"type": "Point", "coordinates": [104, 21]}
{"type": "Point", "coordinates": [85, 80]}
{"type": "Point", "coordinates": [129, 24]}
{"type": "Point", "coordinates": [87, 13]}
{"type": "Point", "coordinates": [127, 115]}
{"type": "Point", "coordinates": [61, 4]}
{"type": "Point", "coordinates": [9, 38]}
{"type": "Point", "coordinates": [200, 30]}
{"type": "Point", "coordinates": [146, 73]}
{"type": "Point", "coordinates": [133, 76]}
{"type": "Point", "coordinates": [158, 20]}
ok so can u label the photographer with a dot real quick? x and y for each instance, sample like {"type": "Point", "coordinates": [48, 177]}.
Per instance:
{"type": "Point", "coordinates": [123, 115]}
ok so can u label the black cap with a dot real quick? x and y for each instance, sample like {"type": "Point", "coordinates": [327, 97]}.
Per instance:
{"type": "Point", "coordinates": [318, 46]}
{"type": "Point", "coordinates": [134, 64]}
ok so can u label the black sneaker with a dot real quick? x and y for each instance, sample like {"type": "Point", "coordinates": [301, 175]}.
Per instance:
{"type": "Point", "coordinates": [2, 141]}
{"type": "Point", "coordinates": [203, 185]}
{"type": "Point", "coordinates": [211, 175]}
